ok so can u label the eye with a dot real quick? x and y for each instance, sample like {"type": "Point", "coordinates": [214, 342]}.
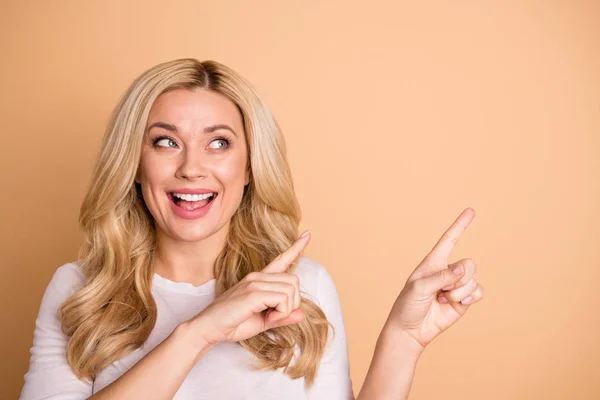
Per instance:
{"type": "Point", "coordinates": [164, 142]}
{"type": "Point", "coordinates": [220, 143]}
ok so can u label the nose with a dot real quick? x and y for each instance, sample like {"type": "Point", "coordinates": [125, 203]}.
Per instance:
{"type": "Point", "coordinates": [192, 166]}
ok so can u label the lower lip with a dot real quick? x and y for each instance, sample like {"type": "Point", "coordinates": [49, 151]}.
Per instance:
{"type": "Point", "coordinates": [190, 214]}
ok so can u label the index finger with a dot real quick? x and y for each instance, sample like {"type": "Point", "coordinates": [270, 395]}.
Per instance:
{"type": "Point", "coordinates": [283, 261]}
{"type": "Point", "coordinates": [446, 243]}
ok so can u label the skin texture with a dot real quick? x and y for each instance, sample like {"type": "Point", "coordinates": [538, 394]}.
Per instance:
{"type": "Point", "coordinates": [238, 313]}
{"type": "Point", "coordinates": [161, 372]}
{"type": "Point", "coordinates": [187, 157]}
{"type": "Point", "coordinates": [436, 295]}
{"type": "Point", "coordinates": [179, 153]}
{"type": "Point", "coordinates": [432, 299]}
{"type": "Point", "coordinates": [420, 309]}
{"type": "Point", "coordinates": [187, 249]}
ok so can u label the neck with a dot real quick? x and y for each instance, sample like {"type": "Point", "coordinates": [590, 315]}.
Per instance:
{"type": "Point", "coordinates": [190, 262]}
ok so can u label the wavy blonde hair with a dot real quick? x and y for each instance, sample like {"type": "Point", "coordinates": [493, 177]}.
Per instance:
{"type": "Point", "coordinates": [115, 312]}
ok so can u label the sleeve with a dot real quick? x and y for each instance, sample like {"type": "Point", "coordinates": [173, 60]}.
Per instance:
{"type": "Point", "coordinates": [50, 376]}
{"type": "Point", "coordinates": [333, 377]}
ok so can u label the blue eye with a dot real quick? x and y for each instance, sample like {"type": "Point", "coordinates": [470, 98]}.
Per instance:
{"type": "Point", "coordinates": [221, 143]}
{"type": "Point", "coordinates": [166, 142]}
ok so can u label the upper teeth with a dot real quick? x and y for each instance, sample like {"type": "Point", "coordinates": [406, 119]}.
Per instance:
{"type": "Point", "coordinates": [192, 197]}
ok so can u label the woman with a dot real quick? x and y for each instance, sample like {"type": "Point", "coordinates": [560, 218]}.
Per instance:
{"type": "Point", "coordinates": [192, 283]}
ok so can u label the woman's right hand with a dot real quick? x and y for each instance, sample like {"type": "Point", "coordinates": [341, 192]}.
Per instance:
{"type": "Point", "coordinates": [238, 314]}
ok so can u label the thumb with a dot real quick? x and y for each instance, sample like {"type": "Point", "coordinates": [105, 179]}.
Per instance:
{"type": "Point", "coordinates": [438, 281]}
{"type": "Point", "coordinates": [271, 320]}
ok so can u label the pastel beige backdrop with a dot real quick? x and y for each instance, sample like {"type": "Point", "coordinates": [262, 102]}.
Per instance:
{"type": "Point", "coordinates": [397, 116]}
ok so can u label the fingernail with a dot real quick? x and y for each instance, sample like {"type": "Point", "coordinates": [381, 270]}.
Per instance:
{"type": "Point", "coordinates": [306, 232]}
{"type": "Point", "coordinates": [457, 270]}
{"type": "Point", "coordinates": [467, 300]}
{"type": "Point", "coordinates": [448, 287]}
{"type": "Point", "coordinates": [443, 299]}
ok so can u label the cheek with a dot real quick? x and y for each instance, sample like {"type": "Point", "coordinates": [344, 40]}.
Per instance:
{"type": "Point", "coordinates": [232, 177]}
{"type": "Point", "coordinates": [151, 176]}
{"type": "Point", "coordinates": [232, 172]}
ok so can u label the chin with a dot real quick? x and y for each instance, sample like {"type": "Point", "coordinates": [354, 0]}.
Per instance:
{"type": "Point", "coordinates": [192, 233]}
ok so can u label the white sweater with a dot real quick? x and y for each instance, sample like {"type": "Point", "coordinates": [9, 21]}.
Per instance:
{"type": "Point", "coordinates": [225, 372]}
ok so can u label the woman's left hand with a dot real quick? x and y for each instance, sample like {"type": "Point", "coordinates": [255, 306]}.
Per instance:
{"type": "Point", "coordinates": [434, 296]}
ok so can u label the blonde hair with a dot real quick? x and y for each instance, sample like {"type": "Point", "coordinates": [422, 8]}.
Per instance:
{"type": "Point", "coordinates": [115, 312]}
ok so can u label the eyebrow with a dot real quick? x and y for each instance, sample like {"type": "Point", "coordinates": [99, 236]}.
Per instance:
{"type": "Point", "coordinates": [208, 129]}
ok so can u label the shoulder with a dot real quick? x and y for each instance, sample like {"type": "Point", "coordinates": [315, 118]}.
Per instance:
{"type": "Point", "coordinates": [309, 268]}
{"type": "Point", "coordinates": [315, 281]}
{"type": "Point", "coordinates": [67, 279]}
{"type": "Point", "coordinates": [68, 275]}
{"type": "Point", "coordinates": [310, 273]}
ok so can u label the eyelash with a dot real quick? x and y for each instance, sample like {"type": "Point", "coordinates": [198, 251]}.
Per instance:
{"type": "Point", "coordinates": [158, 139]}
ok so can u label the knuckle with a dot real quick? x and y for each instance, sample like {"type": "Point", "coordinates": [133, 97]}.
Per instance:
{"type": "Point", "coordinates": [252, 297]}
{"type": "Point", "coordinates": [418, 285]}
{"type": "Point", "coordinates": [252, 276]}
{"type": "Point", "coordinates": [295, 279]}
{"type": "Point", "coordinates": [469, 267]}
{"type": "Point", "coordinates": [471, 285]}
{"type": "Point", "coordinates": [453, 297]}
{"type": "Point", "coordinates": [281, 296]}
{"type": "Point", "coordinates": [480, 290]}
{"type": "Point", "coordinates": [253, 285]}
{"type": "Point", "coordinates": [289, 288]}
{"type": "Point", "coordinates": [450, 237]}
{"type": "Point", "coordinates": [282, 299]}
{"type": "Point", "coordinates": [470, 264]}
{"type": "Point", "coordinates": [457, 295]}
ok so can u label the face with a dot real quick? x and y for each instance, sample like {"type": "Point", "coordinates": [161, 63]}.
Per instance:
{"type": "Point", "coordinates": [194, 163]}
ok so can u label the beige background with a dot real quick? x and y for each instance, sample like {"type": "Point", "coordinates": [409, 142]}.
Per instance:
{"type": "Point", "coordinates": [397, 116]}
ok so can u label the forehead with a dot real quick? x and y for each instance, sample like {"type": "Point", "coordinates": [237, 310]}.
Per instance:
{"type": "Point", "coordinates": [190, 109]}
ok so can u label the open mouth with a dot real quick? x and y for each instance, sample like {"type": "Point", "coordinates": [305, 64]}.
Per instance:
{"type": "Point", "coordinates": [192, 202]}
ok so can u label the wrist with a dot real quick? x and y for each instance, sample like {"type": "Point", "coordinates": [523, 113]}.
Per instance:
{"type": "Point", "coordinates": [395, 338]}
{"type": "Point", "coordinates": [192, 334]}
{"type": "Point", "coordinates": [393, 366]}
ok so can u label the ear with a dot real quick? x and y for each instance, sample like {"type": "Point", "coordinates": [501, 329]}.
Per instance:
{"type": "Point", "coordinates": [137, 176]}
{"type": "Point", "coordinates": [247, 176]}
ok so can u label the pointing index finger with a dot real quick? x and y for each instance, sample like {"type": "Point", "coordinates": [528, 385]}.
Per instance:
{"type": "Point", "coordinates": [446, 243]}
{"type": "Point", "coordinates": [282, 262]}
